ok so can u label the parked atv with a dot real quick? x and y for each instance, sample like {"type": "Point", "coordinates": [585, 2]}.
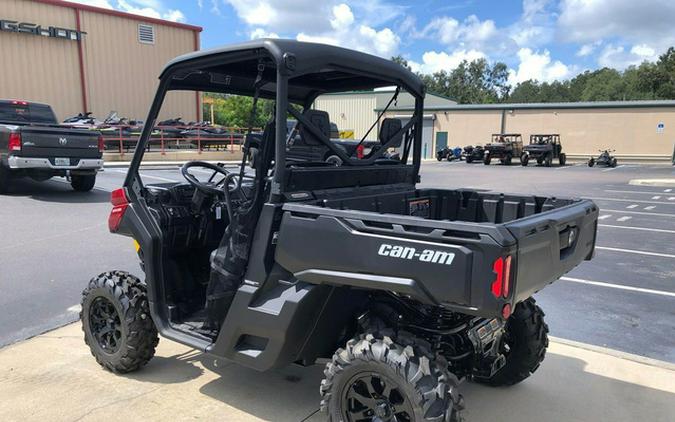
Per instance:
{"type": "Point", "coordinates": [474, 154]}
{"type": "Point", "coordinates": [449, 154]}
{"type": "Point", "coordinates": [604, 159]}
{"type": "Point", "coordinates": [405, 290]}
{"type": "Point", "coordinates": [504, 147]}
{"type": "Point", "coordinates": [544, 148]}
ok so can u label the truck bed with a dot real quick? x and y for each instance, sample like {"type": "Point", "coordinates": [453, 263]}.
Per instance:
{"type": "Point", "coordinates": [475, 227]}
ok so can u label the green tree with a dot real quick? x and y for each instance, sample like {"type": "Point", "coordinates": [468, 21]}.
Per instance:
{"type": "Point", "coordinates": [235, 110]}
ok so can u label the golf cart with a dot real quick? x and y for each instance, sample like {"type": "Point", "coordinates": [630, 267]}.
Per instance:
{"type": "Point", "coordinates": [474, 153]}
{"type": "Point", "coordinates": [543, 148]}
{"type": "Point", "coordinates": [504, 146]}
{"type": "Point", "coordinates": [404, 290]}
{"type": "Point", "coordinates": [604, 159]}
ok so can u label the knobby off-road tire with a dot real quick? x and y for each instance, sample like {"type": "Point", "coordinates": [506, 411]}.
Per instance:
{"type": "Point", "coordinates": [591, 162]}
{"type": "Point", "coordinates": [116, 322]}
{"type": "Point", "coordinates": [487, 159]}
{"type": "Point", "coordinates": [527, 338]}
{"type": "Point", "coordinates": [562, 159]}
{"type": "Point", "coordinates": [374, 377]}
{"type": "Point", "coordinates": [524, 159]}
{"type": "Point", "coordinates": [83, 183]}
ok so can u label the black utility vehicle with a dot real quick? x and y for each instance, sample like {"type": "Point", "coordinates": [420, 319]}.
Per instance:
{"type": "Point", "coordinates": [543, 148]}
{"type": "Point", "coordinates": [504, 146]}
{"type": "Point", "coordinates": [405, 290]}
{"type": "Point", "coordinates": [33, 144]}
{"type": "Point", "coordinates": [604, 159]}
{"type": "Point", "coordinates": [474, 153]}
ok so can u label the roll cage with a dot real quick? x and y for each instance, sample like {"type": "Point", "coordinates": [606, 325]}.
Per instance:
{"type": "Point", "coordinates": [293, 74]}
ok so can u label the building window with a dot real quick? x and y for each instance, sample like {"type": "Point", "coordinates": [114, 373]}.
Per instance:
{"type": "Point", "coordinates": [146, 34]}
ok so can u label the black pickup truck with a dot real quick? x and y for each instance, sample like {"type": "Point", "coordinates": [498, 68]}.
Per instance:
{"type": "Point", "coordinates": [33, 144]}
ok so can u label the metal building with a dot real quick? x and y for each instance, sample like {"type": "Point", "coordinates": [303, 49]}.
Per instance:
{"type": "Point", "coordinates": [82, 58]}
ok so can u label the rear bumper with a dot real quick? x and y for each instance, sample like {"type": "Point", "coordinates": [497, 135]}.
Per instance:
{"type": "Point", "coordinates": [16, 162]}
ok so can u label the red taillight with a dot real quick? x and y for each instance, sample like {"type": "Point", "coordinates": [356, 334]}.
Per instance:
{"type": "Point", "coordinates": [359, 152]}
{"type": "Point", "coordinates": [14, 142]}
{"type": "Point", "coordinates": [502, 285]}
{"type": "Point", "coordinates": [16, 102]}
{"type": "Point", "coordinates": [119, 200]}
{"type": "Point", "coordinates": [506, 311]}
{"type": "Point", "coordinates": [101, 145]}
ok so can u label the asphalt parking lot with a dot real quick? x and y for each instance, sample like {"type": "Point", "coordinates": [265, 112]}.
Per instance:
{"type": "Point", "coordinates": [56, 239]}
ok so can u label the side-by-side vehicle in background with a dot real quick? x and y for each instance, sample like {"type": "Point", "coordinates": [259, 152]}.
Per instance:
{"type": "Point", "coordinates": [406, 290]}
{"type": "Point", "coordinates": [543, 148]}
{"type": "Point", "coordinates": [503, 147]}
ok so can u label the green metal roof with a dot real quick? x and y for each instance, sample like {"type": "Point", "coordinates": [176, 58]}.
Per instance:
{"type": "Point", "coordinates": [540, 106]}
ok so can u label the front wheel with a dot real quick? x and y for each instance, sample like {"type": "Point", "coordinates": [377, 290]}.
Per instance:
{"type": "Point", "coordinates": [487, 159]}
{"type": "Point", "coordinates": [469, 159]}
{"type": "Point", "coordinates": [548, 160]}
{"type": "Point", "coordinates": [116, 322]}
{"type": "Point", "coordinates": [524, 159]}
{"type": "Point", "coordinates": [562, 159]}
{"type": "Point", "coordinates": [508, 160]}
{"type": "Point", "coordinates": [83, 183]}
{"type": "Point", "coordinates": [591, 162]}
{"type": "Point", "coordinates": [524, 345]}
{"type": "Point", "coordinates": [378, 380]}
{"type": "Point", "coordinates": [613, 162]}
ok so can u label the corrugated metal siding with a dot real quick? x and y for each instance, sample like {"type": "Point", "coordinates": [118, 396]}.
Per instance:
{"type": "Point", "coordinates": [122, 72]}
{"type": "Point", "coordinates": [350, 112]}
{"type": "Point", "coordinates": [40, 69]}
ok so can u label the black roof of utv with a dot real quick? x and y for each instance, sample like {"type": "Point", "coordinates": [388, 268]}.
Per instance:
{"type": "Point", "coordinates": [313, 69]}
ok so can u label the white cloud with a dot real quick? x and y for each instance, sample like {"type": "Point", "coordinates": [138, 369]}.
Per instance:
{"type": "Point", "coordinates": [97, 3]}
{"type": "Point", "coordinates": [261, 33]}
{"type": "Point", "coordinates": [433, 61]}
{"type": "Point", "coordinates": [342, 16]}
{"type": "Point", "coordinates": [538, 66]}
{"type": "Point", "coordinates": [616, 56]}
{"type": "Point", "coordinates": [634, 22]}
{"type": "Point", "coordinates": [588, 49]}
{"type": "Point", "coordinates": [174, 16]}
{"type": "Point", "coordinates": [148, 8]}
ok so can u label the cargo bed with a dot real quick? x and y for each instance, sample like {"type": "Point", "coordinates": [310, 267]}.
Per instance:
{"type": "Point", "coordinates": [545, 237]}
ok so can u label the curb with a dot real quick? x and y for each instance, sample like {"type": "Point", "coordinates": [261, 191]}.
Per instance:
{"type": "Point", "coordinates": [653, 182]}
{"type": "Point", "coordinates": [616, 353]}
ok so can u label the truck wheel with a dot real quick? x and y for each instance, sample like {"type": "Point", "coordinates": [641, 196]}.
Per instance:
{"type": "Point", "coordinates": [116, 322]}
{"type": "Point", "coordinates": [334, 160]}
{"type": "Point", "coordinates": [524, 159]}
{"type": "Point", "coordinates": [509, 159]}
{"type": "Point", "coordinates": [379, 380]}
{"type": "Point", "coordinates": [525, 341]}
{"type": "Point", "coordinates": [5, 179]}
{"type": "Point", "coordinates": [83, 183]}
{"type": "Point", "coordinates": [487, 159]}
{"type": "Point", "coordinates": [562, 159]}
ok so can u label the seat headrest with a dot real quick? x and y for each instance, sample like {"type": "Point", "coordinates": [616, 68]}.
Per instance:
{"type": "Point", "coordinates": [318, 118]}
{"type": "Point", "coordinates": [388, 129]}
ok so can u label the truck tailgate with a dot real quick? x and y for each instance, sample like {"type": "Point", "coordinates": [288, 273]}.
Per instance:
{"type": "Point", "coordinates": [49, 141]}
{"type": "Point", "coordinates": [551, 244]}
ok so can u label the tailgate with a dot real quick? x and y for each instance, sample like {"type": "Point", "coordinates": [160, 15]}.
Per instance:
{"type": "Point", "coordinates": [47, 141]}
{"type": "Point", "coordinates": [551, 244]}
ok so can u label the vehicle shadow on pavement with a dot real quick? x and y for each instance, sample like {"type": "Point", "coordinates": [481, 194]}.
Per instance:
{"type": "Point", "coordinates": [55, 191]}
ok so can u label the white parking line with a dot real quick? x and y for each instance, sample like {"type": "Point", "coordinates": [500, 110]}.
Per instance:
{"type": "Point", "coordinates": [624, 218]}
{"type": "Point", "coordinates": [602, 217]}
{"type": "Point", "coordinates": [647, 229]}
{"type": "Point", "coordinates": [649, 208]}
{"type": "Point", "coordinates": [618, 286]}
{"type": "Point", "coordinates": [630, 191]}
{"type": "Point", "coordinates": [652, 214]}
{"type": "Point", "coordinates": [614, 168]}
{"type": "Point", "coordinates": [671, 198]}
{"type": "Point", "coordinates": [661, 255]}
{"type": "Point", "coordinates": [656, 197]}
{"type": "Point", "coordinates": [632, 206]}
{"type": "Point", "coordinates": [667, 190]}
{"type": "Point", "coordinates": [632, 201]}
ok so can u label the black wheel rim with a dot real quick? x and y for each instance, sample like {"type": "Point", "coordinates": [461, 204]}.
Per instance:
{"type": "Point", "coordinates": [373, 397]}
{"type": "Point", "coordinates": [105, 325]}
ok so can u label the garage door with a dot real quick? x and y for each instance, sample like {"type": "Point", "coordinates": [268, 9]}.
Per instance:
{"type": "Point", "coordinates": [427, 135]}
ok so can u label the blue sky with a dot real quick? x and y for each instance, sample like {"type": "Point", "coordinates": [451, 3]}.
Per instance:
{"type": "Point", "coordinates": [538, 39]}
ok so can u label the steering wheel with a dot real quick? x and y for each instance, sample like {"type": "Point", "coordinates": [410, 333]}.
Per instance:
{"type": "Point", "coordinates": [209, 187]}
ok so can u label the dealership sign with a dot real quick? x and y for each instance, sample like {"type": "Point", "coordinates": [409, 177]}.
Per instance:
{"type": "Point", "coordinates": [44, 31]}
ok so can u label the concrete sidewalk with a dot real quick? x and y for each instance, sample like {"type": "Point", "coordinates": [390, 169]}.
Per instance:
{"type": "Point", "coordinates": [53, 377]}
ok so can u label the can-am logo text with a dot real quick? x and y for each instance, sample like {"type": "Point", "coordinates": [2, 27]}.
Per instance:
{"type": "Point", "coordinates": [425, 255]}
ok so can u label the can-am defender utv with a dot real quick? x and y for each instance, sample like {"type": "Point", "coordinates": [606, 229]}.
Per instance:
{"type": "Point", "coordinates": [504, 146]}
{"type": "Point", "coordinates": [406, 291]}
{"type": "Point", "coordinates": [543, 148]}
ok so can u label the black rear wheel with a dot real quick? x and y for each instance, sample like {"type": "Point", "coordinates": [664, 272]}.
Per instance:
{"type": "Point", "coordinates": [116, 322]}
{"type": "Point", "coordinates": [378, 380]}
{"type": "Point", "coordinates": [5, 178]}
{"type": "Point", "coordinates": [548, 160]}
{"type": "Point", "coordinates": [83, 183]}
{"type": "Point", "coordinates": [487, 159]}
{"type": "Point", "coordinates": [524, 159]}
{"type": "Point", "coordinates": [524, 345]}
{"type": "Point", "coordinates": [509, 159]}
{"type": "Point", "coordinates": [562, 159]}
